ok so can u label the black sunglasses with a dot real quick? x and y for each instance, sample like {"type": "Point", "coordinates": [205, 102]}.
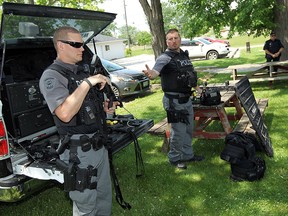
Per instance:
{"type": "Point", "coordinates": [72, 43]}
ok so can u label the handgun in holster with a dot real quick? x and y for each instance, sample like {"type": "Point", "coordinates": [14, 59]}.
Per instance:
{"type": "Point", "coordinates": [69, 172]}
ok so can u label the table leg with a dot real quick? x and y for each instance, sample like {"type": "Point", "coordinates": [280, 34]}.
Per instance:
{"type": "Point", "coordinates": [224, 120]}
{"type": "Point", "coordinates": [239, 110]}
{"type": "Point", "coordinates": [270, 70]}
{"type": "Point", "coordinates": [234, 74]}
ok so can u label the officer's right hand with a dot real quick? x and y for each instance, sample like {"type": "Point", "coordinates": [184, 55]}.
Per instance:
{"type": "Point", "coordinates": [98, 79]}
{"type": "Point", "coordinates": [151, 74]}
{"type": "Point", "coordinates": [147, 72]}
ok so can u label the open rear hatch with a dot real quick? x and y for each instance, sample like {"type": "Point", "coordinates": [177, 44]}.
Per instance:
{"type": "Point", "coordinates": [27, 49]}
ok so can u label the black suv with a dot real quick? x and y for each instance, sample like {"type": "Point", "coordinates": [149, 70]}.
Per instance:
{"type": "Point", "coordinates": [27, 130]}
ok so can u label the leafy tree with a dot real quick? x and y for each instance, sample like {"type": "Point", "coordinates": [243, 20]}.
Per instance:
{"type": "Point", "coordinates": [143, 38]}
{"type": "Point", "coordinates": [171, 18]}
{"type": "Point", "coordinates": [132, 33]}
{"type": "Point", "coordinates": [250, 17]}
{"type": "Point", "coordinates": [110, 30]}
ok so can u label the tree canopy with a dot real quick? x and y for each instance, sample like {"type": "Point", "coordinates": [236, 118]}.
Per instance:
{"type": "Point", "coordinates": [253, 17]}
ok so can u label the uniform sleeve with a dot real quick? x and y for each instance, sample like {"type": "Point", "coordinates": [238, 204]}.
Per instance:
{"type": "Point", "coordinates": [161, 61]}
{"type": "Point", "coordinates": [265, 45]}
{"type": "Point", "coordinates": [53, 87]}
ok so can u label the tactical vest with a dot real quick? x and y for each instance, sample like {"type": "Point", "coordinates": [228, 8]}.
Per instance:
{"type": "Point", "coordinates": [179, 75]}
{"type": "Point", "coordinates": [91, 116]}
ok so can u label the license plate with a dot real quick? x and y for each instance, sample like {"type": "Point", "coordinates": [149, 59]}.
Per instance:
{"type": "Point", "coordinates": [145, 84]}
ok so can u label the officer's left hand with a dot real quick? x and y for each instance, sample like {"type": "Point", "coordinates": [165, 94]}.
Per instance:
{"type": "Point", "coordinates": [110, 110]}
{"type": "Point", "coordinates": [99, 79]}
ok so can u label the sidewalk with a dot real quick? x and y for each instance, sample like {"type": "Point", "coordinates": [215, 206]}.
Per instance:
{"type": "Point", "coordinates": [137, 62]}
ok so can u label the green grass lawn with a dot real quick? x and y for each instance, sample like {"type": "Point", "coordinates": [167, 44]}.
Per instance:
{"type": "Point", "coordinates": [204, 188]}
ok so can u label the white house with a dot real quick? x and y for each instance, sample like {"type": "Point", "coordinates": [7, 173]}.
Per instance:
{"type": "Point", "coordinates": [108, 47]}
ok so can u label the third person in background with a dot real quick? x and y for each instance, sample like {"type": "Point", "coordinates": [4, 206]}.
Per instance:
{"type": "Point", "coordinates": [273, 48]}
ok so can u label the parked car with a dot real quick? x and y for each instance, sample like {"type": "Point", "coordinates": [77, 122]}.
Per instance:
{"type": "Point", "coordinates": [28, 134]}
{"type": "Point", "coordinates": [125, 81]}
{"type": "Point", "coordinates": [213, 40]}
{"type": "Point", "coordinates": [201, 48]}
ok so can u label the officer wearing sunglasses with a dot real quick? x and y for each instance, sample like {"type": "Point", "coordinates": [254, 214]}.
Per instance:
{"type": "Point", "coordinates": [72, 43]}
{"type": "Point", "coordinates": [79, 110]}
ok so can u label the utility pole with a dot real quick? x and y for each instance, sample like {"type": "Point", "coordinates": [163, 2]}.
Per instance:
{"type": "Point", "coordinates": [127, 29]}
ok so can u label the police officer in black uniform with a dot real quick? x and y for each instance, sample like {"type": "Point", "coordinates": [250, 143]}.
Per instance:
{"type": "Point", "coordinates": [273, 48]}
{"type": "Point", "coordinates": [78, 111]}
{"type": "Point", "coordinates": [177, 79]}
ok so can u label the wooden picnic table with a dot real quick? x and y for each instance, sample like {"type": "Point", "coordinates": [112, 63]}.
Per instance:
{"type": "Point", "coordinates": [204, 115]}
{"type": "Point", "coordinates": [261, 72]}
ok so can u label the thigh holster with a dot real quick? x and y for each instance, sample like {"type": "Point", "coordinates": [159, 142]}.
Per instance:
{"type": "Point", "coordinates": [76, 178]}
{"type": "Point", "coordinates": [175, 116]}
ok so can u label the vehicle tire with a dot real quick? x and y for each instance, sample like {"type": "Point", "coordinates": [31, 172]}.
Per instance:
{"type": "Point", "coordinates": [116, 91]}
{"type": "Point", "coordinates": [212, 55]}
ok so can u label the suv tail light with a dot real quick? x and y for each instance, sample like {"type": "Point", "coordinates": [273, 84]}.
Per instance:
{"type": "Point", "coordinates": [4, 149]}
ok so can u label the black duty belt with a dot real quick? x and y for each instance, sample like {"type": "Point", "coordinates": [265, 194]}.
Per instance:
{"type": "Point", "coordinates": [182, 97]}
{"type": "Point", "coordinates": [87, 141]}
{"type": "Point", "coordinates": [177, 95]}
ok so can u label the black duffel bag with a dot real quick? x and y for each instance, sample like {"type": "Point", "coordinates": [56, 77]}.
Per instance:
{"type": "Point", "coordinates": [210, 96]}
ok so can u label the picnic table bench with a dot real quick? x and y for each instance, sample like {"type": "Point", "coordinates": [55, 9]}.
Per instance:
{"type": "Point", "coordinates": [261, 72]}
{"type": "Point", "coordinates": [244, 124]}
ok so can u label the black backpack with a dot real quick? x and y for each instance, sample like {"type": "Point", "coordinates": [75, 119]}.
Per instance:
{"type": "Point", "coordinates": [240, 151]}
{"type": "Point", "coordinates": [238, 147]}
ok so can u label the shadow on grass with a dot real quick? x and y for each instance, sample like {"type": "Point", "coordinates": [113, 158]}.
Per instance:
{"type": "Point", "coordinates": [205, 187]}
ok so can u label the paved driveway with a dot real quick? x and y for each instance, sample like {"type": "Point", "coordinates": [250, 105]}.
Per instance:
{"type": "Point", "coordinates": [137, 62]}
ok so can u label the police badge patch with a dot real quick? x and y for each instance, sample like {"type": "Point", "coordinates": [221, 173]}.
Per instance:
{"type": "Point", "coordinates": [49, 83]}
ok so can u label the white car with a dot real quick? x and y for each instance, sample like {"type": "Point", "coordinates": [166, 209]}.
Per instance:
{"type": "Point", "coordinates": [201, 48]}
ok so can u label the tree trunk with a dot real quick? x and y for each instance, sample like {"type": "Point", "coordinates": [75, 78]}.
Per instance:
{"type": "Point", "coordinates": [155, 21]}
{"type": "Point", "coordinates": [281, 18]}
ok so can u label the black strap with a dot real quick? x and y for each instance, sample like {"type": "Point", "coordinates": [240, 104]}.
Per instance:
{"type": "Point", "coordinates": [119, 197]}
{"type": "Point", "coordinates": [139, 160]}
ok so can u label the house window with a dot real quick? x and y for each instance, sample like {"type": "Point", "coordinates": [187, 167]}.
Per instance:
{"type": "Point", "coordinates": [107, 47]}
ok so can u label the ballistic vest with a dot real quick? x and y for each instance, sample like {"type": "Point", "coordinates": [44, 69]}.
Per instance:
{"type": "Point", "coordinates": [91, 116]}
{"type": "Point", "coordinates": [178, 75]}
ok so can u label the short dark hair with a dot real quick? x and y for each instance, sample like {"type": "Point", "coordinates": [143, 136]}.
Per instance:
{"type": "Point", "coordinates": [61, 33]}
{"type": "Point", "coordinates": [272, 33]}
{"type": "Point", "coordinates": [172, 31]}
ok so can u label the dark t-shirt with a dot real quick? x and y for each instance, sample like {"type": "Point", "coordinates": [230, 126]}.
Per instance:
{"type": "Point", "coordinates": [273, 46]}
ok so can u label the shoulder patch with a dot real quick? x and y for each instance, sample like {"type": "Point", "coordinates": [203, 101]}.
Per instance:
{"type": "Point", "coordinates": [49, 83]}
